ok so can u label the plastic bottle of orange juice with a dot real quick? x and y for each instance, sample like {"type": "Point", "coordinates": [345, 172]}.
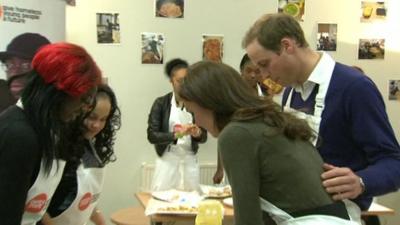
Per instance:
{"type": "Point", "coordinates": [210, 212]}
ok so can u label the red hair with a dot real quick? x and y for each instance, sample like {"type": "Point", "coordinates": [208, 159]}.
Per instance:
{"type": "Point", "coordinates": [68, 67]}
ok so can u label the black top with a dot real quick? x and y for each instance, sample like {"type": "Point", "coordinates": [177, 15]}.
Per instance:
{"type": "Point", "coordinates": [6, 98]}
{"type": "Point", "coordinates": [158, 126]}
{"type": "Point", "coordinates": [67, 189]}
{"type": "Point", "coordinates": [20, 159]}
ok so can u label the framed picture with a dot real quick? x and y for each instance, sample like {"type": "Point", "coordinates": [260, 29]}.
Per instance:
{"type": "Point", "coordinates": [327, 37]}
{"type": "Point", "coordinates": [170, 8]}
{"type": "Point", "coordinates": [152, 48]}
{"type": "Point", "coordinates": [371, 49]}
{"type": "Point", "coordinates": [213, 47]}
{"type": "Point", "coordinates": [71, 2]}
{"type": "Point", "coordinates": [394, 89]}
{"type": "Point", "coordinates": [373, 11]}
{"type": "Point", "coordinates": [294, 8]}
{"type": "Point", "coordinates": [108, 28]}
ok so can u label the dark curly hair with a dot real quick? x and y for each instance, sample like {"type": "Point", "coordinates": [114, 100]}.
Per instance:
{"type": "Point", "coordinates": [174, 65]}
{"type": "Point", "coordinates": [104, 140]}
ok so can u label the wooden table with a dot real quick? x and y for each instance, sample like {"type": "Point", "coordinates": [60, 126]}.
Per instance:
{"type": "Point", "coordinates": [144, 198]}
{"type": "Point", "coordinates": [378, 210]}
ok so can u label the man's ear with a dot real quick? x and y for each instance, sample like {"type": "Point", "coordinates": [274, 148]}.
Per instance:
{"type": "Point", "coordinates": [287, 45]}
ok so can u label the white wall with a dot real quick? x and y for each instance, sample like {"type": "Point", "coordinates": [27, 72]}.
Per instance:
{"type": "Point", "coordinates": [138, 85]}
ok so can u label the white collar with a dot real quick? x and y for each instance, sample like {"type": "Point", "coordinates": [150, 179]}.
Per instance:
{"type": "Point", "coordinates": [325, 65]}
{"type": "Point", "coordinates": [259, 90]}
{"type": "Point", "coordinates": [174, 103]}
{"type": "Point", "coordinates": [19, 103]}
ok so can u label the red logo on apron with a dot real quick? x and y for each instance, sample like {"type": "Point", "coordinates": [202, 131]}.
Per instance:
{"type": "Point", "coordinates": [85, 201]}
{"type": "Point", "coordinates": [36, 204]}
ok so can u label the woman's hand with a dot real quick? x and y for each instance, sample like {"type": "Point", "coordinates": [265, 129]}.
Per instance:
{"type": "Point", "coordinates": [97, 217]}
{"type": "Point", "coordinates": [194, 130]}
{"type": "Point", "coordinates": [181, 130]}
{"type": "Point", "coordinates": [46, 220]}
{"type": "Point", "coordinates": [218, 176]}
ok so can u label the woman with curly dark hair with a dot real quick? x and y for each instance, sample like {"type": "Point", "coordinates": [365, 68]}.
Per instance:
{"type": "Point", "coordinates": [271, 164]}
{"type": "Point", "coordinates": [36, 133]}
{"type": "Point", "coordinates": [76, 197]}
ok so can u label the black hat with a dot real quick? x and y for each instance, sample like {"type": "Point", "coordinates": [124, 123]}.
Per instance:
{"type": "Point", "coordinates": [24, 46]}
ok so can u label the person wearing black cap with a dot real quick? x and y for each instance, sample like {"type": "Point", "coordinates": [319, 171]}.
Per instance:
{"type": "Point", "coordinates": [16, 60]}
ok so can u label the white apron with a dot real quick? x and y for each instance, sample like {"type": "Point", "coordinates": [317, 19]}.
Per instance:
{"type": "Point", "coordinates": [282, 218]}
{"type": "Point", "coordinates": [90, 183]}
{"type": "Point", "coordinates": [39, 195]}
{"type": "Point", "coordinates": [314, 121]}
{"type": "Point", "coordinates": [168, 173]}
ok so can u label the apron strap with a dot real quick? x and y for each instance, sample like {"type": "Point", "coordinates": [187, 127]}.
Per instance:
{"type": "Point", "coordinates": [337, 209]}
{"type": "Point", "coordinates": [277, 214]}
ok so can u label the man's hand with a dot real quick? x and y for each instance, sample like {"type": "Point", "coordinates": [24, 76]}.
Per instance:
{"type": "Point", "coordinates": [341, 182]}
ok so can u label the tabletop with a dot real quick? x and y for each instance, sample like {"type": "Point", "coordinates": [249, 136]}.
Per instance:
{"type": "Point", "coordinates": [144, 198]}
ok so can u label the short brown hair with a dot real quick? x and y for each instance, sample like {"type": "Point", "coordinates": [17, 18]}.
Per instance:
{"type": "Point", "coordinates": [219, 88]}
{"type": "Point", "coordinates": [271, 28]}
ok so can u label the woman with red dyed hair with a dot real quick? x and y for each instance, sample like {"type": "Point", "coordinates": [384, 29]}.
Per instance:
{"type": "Point", "coordinates": [42, 131]}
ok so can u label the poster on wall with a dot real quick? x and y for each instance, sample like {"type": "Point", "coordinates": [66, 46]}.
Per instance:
{"type": "Point", "coordinates": [294, 8]}
{"type": "Point", "coordinates": [371, 49]}
{"type": "Point", "coordinates": [372, 11]}
{"type": "Point", "coordinates": [394, 89]}
{"type": "Point", "coordinates": [71, 2]}
{"type": "Point", "coordinates": [327, 37]}
{"type": "Point", "coordinates": [45, 18]}
{"type": "Point", "coordinates": [153, 48]}
{"type": "Point", "coordinates": [170, 8]}
{"type": "Point", "coordinates": [213, 47]}
{"type": "Point", "coordinates": [108, 31]}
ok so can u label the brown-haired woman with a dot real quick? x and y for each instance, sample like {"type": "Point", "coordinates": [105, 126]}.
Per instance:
{"type": "Point", "coordinates": [267, 154]}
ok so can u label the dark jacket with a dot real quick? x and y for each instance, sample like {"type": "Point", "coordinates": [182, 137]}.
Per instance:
{"type": "Point", "coordinates": [158, 126]}
{"type": "Point", "coordinates": [6, 99]}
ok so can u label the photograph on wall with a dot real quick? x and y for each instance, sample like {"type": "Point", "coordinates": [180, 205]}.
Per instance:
{"type": "Point", "coordinates": [394, 89]}
{"type": "Point", "coordinates": [213, 47]}
{"type": "Point", "coordinates": [373, 11]}
{"type": "Point", "coordinates": [371, 49]}
{"type": "Point", "coordinates": [327, 37]}
{"type": "Point", "coordinates": [170, 8]}
{"type": "Point", "coordinates": [108, 28]}
{"type": "Point", "coordinates": [152, 48]}
{"type": "Point", "coordinates": [294, 8]}
{"type": "Point", "coordinates": [71, 2]}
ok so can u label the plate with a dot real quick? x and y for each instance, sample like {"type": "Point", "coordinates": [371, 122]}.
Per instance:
{"type": "Point", "coordinates": [175, 196]}
{"type": "Point", "coordinates": [216, 191]}
{"type": "Point", "coordinates": [168, 196]}
{"type": "Point", "coordinates": [155, 206]}
{"type": "Point", "coordinates": [228, 202]}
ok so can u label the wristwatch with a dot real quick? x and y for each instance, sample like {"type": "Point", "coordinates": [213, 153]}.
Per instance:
{"type": "Point", "coordinates": [362, 185]}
